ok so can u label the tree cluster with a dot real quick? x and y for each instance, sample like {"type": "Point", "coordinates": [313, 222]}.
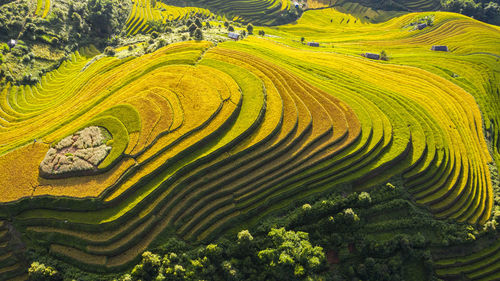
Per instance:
{"type": "Point", "coordinates": [279, 255]}
{"type": "Point", "coordinates": [483, 10]}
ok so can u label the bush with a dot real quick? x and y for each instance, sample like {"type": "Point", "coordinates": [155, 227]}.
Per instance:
{"type": "Point", "coordinates": [192, 28]}
{"type": "Point", "coordinates": [383, 55]}
{"type": "Point", "coordinates": [40, 272]}
{"type": "Point", "coordinates": [198, 34]}
{"type": "Point", "coordinates": [198, 23]}
{"type": "Point", "coordinates": [230, 28]}
{"type": "Point", "coordinates": [109, 51]}
{"type": "Point", "coordinates": [250, 28]}
{"type": "Point", "coordinates": [26, 59]}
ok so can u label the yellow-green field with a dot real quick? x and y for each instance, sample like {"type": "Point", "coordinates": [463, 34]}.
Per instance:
{"type": "Point", "coordinates": [206, 137]}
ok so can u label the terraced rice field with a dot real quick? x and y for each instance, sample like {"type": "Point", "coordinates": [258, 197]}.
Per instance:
{"type": "Point", "coordinates": [144, 11]}
{"type": "Point", "coordinates": [208, 137]}
{"type": "Point", "coordinates": [480, 265]}
{"type": "Point", "coordinates": [406, 5]}
{"type": "Point", "coordinates": [42, 8]}
{"type": "Point", "coordinates": [264, 12]}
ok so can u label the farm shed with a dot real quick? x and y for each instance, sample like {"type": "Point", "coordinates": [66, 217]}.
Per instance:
{"type": "Point", "coordinates": [439, 48]}
{"type": "Point", "coordinates": [233, 35]}
{"type": "Point", "coordinates": [313, 44]}
{"type": "Point", "coordinates": [421, 26]}
{"type": "Point", "coordinates": [372, 56]}
{"type": "Point", "coordinates": [12, 43]}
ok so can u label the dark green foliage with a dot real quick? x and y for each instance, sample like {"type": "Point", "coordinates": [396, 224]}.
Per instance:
{"type": "Point", "coordinates": [198, 34]}
{"type": "Point", "coordinates": [12, 19]}
{"type": "Point", "coordinates": [191, 29]}
{"type": "Point", "coordinates": [279, 255]}
{"type": "Point", "coordinates": [230, 28]}
{"type": "Point", "coordinates": [487, 11]}
{"type": "Point", "coordinates": [198, 23]}
{"type": "Point", "coordinates": [40, 272]}
{"type": "Point", "coordinates": [109, 51]}
{"type": "Point", "coordinates": [250, 28]}
{"type": "Point", "coordinates": [383, 55]}
{"type": "Point", "coordinates": [226, 24]}
{"type": "Point", "coordinates": [262, 32]}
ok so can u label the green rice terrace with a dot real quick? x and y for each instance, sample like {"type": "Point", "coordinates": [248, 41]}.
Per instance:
{"type": "Point", "coordinates": [249, 140]}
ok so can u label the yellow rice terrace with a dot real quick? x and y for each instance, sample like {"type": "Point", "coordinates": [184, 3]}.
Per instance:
{"type": "Point", "coordinates": [249, 140]}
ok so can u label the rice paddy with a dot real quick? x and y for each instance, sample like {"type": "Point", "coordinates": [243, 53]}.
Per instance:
{"type": "Point", "coordinates": [205, 136]}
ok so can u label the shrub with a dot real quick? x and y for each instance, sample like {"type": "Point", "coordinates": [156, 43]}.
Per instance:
{"type": "Point", "coordinates": [191, 29]}
{"type": "Point", "coordinates": [262, 32]}
{"type": "Point", "coordinates": [230, 28]}
{"type": "Point", "coordinates": [154, 35]}
{"type": "Point", "coordinates": [245, 235]}
{"type": "Point", "coordinates": [109, 51]}
{"type": "Point", "coordinates": [198, 34]}
{"type": "Point", "coordinates": [383, 55]}
{"type": "Point", "coordinates": [198, 23]}
{"type": "Point", "coordinates": [40, 272]}
{"type": "Point", "coordinates": [250, 28]}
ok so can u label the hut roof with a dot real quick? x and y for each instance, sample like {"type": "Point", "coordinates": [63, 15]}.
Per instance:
{"type": "Point", "coordinates": [372, 56]}
{"type": "Point", "coordinates": [439, 48]}
{"type": "Point", "coordinates": [233, 35]}
{"type": "Point", "coordinates": [12, 43]}
{"type": "Point", "coordinates": [421, 26]}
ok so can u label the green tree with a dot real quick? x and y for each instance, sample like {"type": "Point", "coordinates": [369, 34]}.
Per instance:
{"type": "Point", "coordinates": [198, 23]}
{"type": "Point", "coordinates": [191, 29]}
{"type": "Point", "coordinates": [250, 28]}
{"type": "Point", "coordinates": [198, 34]}
{"type": "Point", "coordinates": [40, 272]}
{"type": "Point", "coordinates": [102, 17]}
{"type": "Point", "coordinates": [148, 268]}
{"type": "Point", "coordinates": [291, 255]}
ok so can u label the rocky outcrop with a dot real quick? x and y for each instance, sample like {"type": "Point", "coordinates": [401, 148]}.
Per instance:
{"type": "Point", "coordinates": [78, 154]}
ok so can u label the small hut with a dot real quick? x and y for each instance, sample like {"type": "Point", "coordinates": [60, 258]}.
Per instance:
{"type": "Point", "coordinates": [233, 35]}
{"type": "Point", "coordinates": [313, 44]}
{"type": "Point", "coordinates": [372, 56]}
{"type": "Point", "coordinates": [12, 43]}
{"type": "Point", "coordinates": [421, 26]}
{"type": "Point", "coordinates": [440, 48]}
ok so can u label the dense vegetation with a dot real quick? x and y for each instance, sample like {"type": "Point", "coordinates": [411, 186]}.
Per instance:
{"type": "Point", "coordinates": [43, 42]}
{"type": "Point", "coordinates": [483, 10]}
{"type": "Point", "coordinates": [339, 146]}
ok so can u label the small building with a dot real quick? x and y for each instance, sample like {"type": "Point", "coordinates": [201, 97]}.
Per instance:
{"type": "Point", "coordinates": [12, 43]}
{"type": "Point", "coordinates": [421, 26]}
{"type": "Point", "coordinates": [440, 48]}
{"type": "Point", "coordinates": [372, 56]}
{"type": "Point", "coordinates": [313, 44]}
{"type": "Point", "coordinates": [233, 35]}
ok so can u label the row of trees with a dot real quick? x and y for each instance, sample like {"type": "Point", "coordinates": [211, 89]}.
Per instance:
{"type": "Point", "coordinates": [279, 255]}
{"type": "Point", "coordinates": [484, 10]}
